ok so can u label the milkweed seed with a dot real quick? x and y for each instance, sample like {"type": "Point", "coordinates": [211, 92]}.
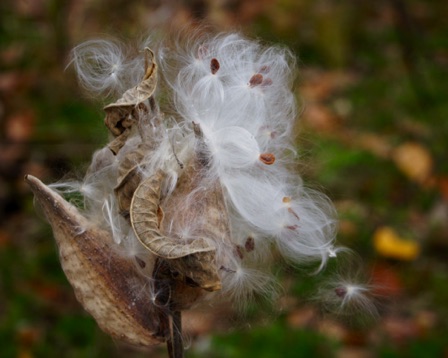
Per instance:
{"type": "Point", "coordinates": [214, 65]}
{"type": "Point", "coordinates": [256, 80]}
{"type": "Point", "coordinates": [267, 158]}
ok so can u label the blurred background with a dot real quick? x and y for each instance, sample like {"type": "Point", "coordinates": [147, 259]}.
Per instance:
{"type": "Point", "coordinates": [372, 133]}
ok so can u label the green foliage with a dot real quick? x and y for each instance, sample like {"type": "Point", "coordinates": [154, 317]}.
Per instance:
{"type": "Point", "coordinates": [398, 96]}
{"type": "Point", "coordinates": [275, 340]}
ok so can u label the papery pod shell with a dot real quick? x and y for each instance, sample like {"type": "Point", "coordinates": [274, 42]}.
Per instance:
{"type": "Point", "coordinates": [133, 160]}
{"type": "Point", "coordinates": [145, 218]}
{"type": "Point", "coordinates": [143, 90]}
{"type": "Point", "coordinates": [119, 120]}
{"type": "Point", "coordinates": [107, 285]}
{"type": "Point", "coordinates": [130, 174]}
{"type": "Point", "coordinates": [194, 260]}
{"type": "Point", "coordinates": [119, 142]}
{"type": "Point", "coordinates": [203, 206]}
{"type": "Point", "coordinates": [195, 257]}
{"type": "Point", "coordinates": [123, 114]}
{"type": "Point", "coordinates": [206, 207]}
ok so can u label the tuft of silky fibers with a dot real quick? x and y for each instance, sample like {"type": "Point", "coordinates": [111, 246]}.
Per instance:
{"type": "Point", "coordinates": [348, 296]}
{"type": "Point", "coordinates": [104, 67]}
{"type": "Point", "coordinates": [239, 92]}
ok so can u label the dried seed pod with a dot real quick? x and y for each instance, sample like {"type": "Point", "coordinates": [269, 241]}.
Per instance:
{"type": "Point", "coordinates": [118, 143]}
{"type": "Point", "coordinates": [118, 121]}
{"type": "Point", "coordinates": [125, 190]}
{"type": "Point", "coordinates": [198, 270]}
{"type": "Point", "coordinates": [125, 112]}
{"type": "Point", "coordinates": [108, 286]}
{"type": "Point", "coordinates": [130, 176]}
{"type": "Point", "coordinates": [143, 90]}
{"type": "Point", "coordinates": [102, 159]}
{"type": "Point", "coordinates": [198, 203]}
{"type": "Point", "coordinates": [193, 260]}
{"type": "Point", "coordinates": [144, 219]}
{"type": "Point", "coordinates": [173, 290]}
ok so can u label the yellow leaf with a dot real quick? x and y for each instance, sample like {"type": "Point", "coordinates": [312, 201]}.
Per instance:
{"type": "Point", "coordinates": [389, 244]}
{"type": "Point", "coordinates": [414, 161]}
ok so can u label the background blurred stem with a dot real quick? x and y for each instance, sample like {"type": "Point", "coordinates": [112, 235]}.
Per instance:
{"type": "Point", "coordinates": [410, 41]}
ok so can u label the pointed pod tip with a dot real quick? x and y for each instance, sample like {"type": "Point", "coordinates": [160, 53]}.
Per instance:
{"type": "Point", "coordinates": [32, 181]}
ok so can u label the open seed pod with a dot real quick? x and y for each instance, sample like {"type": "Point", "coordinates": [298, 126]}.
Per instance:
{"type": "Point", "coordinates": [124, 113]}
{"type": "Point", "coordinates": [193, 260]}
{"type": "Point", "coordinates": [143, 90]}
{"type": "Point", "coordinates": [108, 285]}
{"type": "Point", "coordinates": [187, 211]}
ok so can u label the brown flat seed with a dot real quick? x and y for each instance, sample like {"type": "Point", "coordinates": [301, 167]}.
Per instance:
{"type": "Point", "coordinates": [256, 80]}
{"type": "Point", "coordinates": [214, 65]}
{"type": "Point", "coordinates": [140, 262]}
{"type": "Point", "coordinates": [340, 292]}
{"type": "Point", "coordinates": [293, 213]}
{"type": "Point", "coordinates": [225, 269]}
{"type": "Point", "coordinates": [239, 251]}
{"type": "Point", "coordinates": [292, 227]}
{"type": "Point", "coordinates": [267, 158]}
{"type": "Point", "coordinates": [266, 82]}
{"type": "Point", "coordinates": [264, 69]}
{"type": "Point", "coordinates": [249, 244]}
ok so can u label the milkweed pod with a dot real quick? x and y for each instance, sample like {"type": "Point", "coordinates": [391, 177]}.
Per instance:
{"type": "Point", "coordinates": [193, 259]}
{"type": "Point", "coordinates": [87, 253]}
{"type": "Point", "coordinates": [145, 89]}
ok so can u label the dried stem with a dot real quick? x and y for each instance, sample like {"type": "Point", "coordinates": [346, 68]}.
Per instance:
{"type": "Point", "coordinates": [172, 319]}
{"type": "Point", "coordinates": [174, 343]}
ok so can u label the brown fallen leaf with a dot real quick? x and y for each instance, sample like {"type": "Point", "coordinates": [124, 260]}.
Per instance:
{"type": "Point", "coordinates": [386, 282]}
{"type": "Point", "coordinates": [300, 318]}
{"type": "Point", "coordinates": [373, 143]}
{"type": "Point", "coordinates": [442, 184]}
{"type": "Point", "coordinates": [401, 329]}
{"type": "Point", "coordinates": [414, 160]}
{"type": "Point", "coordinates": [27, 336]}
{"type": "Point", "coordinates": [320, 118]}
{"type": "Point", "coordinates": [319, 85]}
{"type": "Point", "coordinates": [20, 126]}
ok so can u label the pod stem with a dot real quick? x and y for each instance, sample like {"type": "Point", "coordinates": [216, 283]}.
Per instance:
{"type": "Point", "coordinates": [174, 343]}
{"type": "Point", "coordinates": [171, 318]}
